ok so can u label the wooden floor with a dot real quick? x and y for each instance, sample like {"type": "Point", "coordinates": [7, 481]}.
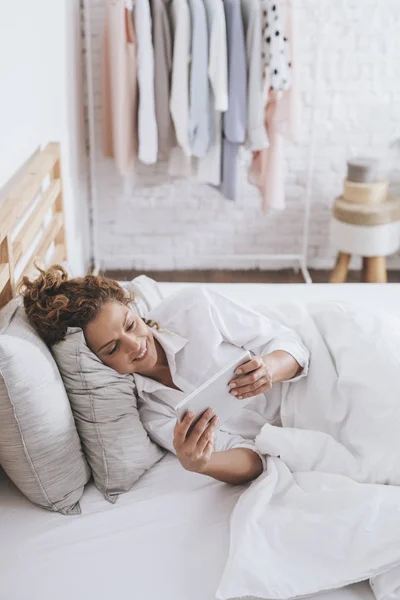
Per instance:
{"type": "Point", "coordinates": [247, 276]}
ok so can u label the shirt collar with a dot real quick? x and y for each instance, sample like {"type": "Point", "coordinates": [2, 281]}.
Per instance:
{"type": "Point", "coordinates": [172, 343]}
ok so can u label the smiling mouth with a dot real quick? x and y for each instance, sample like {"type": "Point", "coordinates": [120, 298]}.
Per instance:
{"type": "Point", "coordinates": [142, 354]}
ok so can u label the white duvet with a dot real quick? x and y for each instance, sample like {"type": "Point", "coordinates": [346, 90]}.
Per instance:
{"type": "Point", "coordinates": [326, 512]}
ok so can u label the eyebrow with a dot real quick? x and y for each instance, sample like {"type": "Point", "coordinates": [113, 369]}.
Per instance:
{"type": "Point", "coordinates": [111, 341]}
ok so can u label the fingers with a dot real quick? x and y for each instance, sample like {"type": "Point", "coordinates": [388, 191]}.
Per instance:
{"type": "Point", "coordinates": [185, 434]}
{"type": "Point", "coordinates": [200, 427]}
{"type": "Point", "coordinates": [208, 436]}
{"type": "Point", "coordinates": [251, 365]}
{"type": "Point", "coordinates": [181, 429]}
{"type": "Point", "coordinates": [250, 379]}
{"type": "Point", "coordinates": [259, 386]}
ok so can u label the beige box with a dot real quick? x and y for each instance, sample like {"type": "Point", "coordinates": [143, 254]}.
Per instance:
{"type": "Point", "coordinates": [365, 193]}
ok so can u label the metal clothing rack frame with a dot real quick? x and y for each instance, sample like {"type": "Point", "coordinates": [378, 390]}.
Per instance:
{"type": "Point", "coordinates": [300, 260]}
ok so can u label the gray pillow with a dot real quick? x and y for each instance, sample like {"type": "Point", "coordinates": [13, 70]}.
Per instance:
{"type": "Point", "coordinates": [39, 446]}
{"type": "Point", "coordinates": [103, 401]}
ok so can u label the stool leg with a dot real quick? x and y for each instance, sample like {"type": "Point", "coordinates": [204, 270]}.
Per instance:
{"type": "Point", "coordinates": [375, 269]}
{"type": "Point", "coordinates": [339, 274]}
{"type": "Point", "coordinates": [364, 270]}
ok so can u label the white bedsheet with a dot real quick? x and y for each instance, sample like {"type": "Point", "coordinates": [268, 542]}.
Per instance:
{"type": "Point", "coordinates": [372, 295]}
{"type": "Point", "coordinates": [167, 539]}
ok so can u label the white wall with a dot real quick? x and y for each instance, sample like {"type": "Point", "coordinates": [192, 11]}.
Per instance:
{"type": "Point", "coordinates": [171, 224]}
{"type": "Point", "coordinates": [41, 100]}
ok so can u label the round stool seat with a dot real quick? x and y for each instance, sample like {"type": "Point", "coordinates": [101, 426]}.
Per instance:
{"type": "Point", "coordinates": [371, 231]}
{"type": "Point", "coordinates": [367, 214]}
{"type": "Point", "coordinates": [367, 230]}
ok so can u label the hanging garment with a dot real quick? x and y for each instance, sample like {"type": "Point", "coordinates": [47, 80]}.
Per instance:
{"type": "Point", "coordinates": [267, 169]}
{"type": "Point", "coordinates": [209, 167]}
{"type": "Point", "coordinates": [119, 87]}
{"type": "Point", "coordinates": [256, 136]}
{"type": "Point", "coordinates": [282, 120]}
{"type": "Point", "coordinates": [179, 100]}
{"type": "Point", "coordinates": [199, 111]}
{"type": "Point", "coordinates": [180, 161]}
{"type": "Point", "coordinates": [275, 46]}
{"type": "Point", "coordinates": [290, 107]}
{"type": "Point", "coordinates": [235, 118]}
{"type": "Point", "coordinates": [147, 124]}
{"type": "Point", "coordinates": [162, 41]}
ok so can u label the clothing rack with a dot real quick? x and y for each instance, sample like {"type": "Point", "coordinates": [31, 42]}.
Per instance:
{"type": "Point", "coordinates": [300, 260]}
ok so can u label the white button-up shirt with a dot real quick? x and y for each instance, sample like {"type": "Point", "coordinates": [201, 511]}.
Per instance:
{"type": "Point", "coordinates": [147, 123]}
{"type": "Point", "coordinates": [203, 331]}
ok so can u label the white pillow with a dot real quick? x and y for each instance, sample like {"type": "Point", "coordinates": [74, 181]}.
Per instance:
{"type": "Point", "coordinates": [39, 446]}
{"type": "Point", "coordinates": [147, 291]}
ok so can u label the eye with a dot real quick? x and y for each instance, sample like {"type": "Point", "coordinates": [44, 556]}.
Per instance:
{"type": "Point", "coordinates": [130, 326]}
{"type": "Point", "coordinates": [113, 350]}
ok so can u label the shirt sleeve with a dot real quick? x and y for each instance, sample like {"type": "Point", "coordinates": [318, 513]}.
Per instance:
{"type": "Point", "coordinates": [218, 59]}
{"type": "Point", "coordinates": [147, 123]}
{"type": "Point", "coordinates": [159, 420]}
{"type": "Point", "coordinates": [256, 131]}
{"type": "Point", "coordinates": [235, 118]}
{"type": "Point", "coordinates": [199, 112]}
{"type": "Point", "coordinates": [247, 328]}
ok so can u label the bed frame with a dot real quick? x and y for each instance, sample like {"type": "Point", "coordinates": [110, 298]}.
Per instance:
{"type": "Point", "coordinates": [32, 221]}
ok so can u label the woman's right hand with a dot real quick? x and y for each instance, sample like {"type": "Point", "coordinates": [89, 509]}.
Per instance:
{"type": "Point", "coordinates": [194, 448]}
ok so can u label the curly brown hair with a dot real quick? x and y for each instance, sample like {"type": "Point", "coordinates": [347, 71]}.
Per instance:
{"type": "Point", "coordinates": [53, 302]}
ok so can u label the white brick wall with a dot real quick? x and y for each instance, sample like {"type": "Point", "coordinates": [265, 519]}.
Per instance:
{"type": "Point", "coordinates": [164, 224]}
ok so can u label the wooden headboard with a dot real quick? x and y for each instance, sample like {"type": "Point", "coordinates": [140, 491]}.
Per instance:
{"type": "Point", "coordinates": [32, 221]}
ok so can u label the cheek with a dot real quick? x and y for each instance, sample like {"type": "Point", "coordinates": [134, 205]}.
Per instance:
{"type": "Point", "coordinates": [109, 361]}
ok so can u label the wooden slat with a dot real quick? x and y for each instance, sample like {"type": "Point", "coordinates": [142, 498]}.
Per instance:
{"type": "Point", "coordinates": [4, 275]}
{"type": "Point", "coordinates": [33, 224]}
{"type": "Point", "coordinates": [45, 243]}
{"type": "Point", "coordinates": [7, 284]}
{"type": "Point", "coordinates": [50, 236]}
{"type": "Point", "coordinates": [19, 198]}
{"type": "Point", "coordinates": [27, 187]}
{"type": "Point", "coordinates": [59, 254]}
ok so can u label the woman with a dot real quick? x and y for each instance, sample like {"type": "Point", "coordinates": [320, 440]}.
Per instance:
{"type": "Point", "coordinates": [183, 341]}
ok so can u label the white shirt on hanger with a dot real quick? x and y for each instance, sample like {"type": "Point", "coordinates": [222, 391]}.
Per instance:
{"type": "Point", "coordinates": [195, 353]}
{"type": "Point", "coordinates": [179, 102]}
{"type": "Point", "coordinates": [209, 167]}
{"type": "Point", "coordinates": [147, 123]}
{"type": "Point", "coordinates": [180, 161]}
{"type": "Point", "coordinates": [218, 58]}
{"type": "Point", "coordinates": [199, 105]}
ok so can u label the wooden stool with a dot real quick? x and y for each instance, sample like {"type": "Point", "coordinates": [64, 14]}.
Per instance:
{"type": "Point", "coordinates": [370, 231]}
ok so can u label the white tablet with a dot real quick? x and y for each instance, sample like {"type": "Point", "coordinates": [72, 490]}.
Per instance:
{"type": "Point", "coordinates": [215, 394]}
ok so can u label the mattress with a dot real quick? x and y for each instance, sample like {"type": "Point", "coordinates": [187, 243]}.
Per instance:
{"type": "Point", "coordinates": [166, 539]}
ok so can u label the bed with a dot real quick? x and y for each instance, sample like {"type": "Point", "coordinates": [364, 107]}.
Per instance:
{"type": "Point", "coordinates": [167, 538]}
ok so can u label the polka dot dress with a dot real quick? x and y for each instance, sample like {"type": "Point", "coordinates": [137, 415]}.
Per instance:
{"type": "Point", "coordinates": [275, 47]}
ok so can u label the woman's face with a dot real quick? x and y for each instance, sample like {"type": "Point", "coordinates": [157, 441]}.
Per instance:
{"type": "Point", "coordinates": [121, 339]}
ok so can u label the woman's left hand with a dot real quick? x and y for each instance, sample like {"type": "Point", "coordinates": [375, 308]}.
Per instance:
{"type": "Point", "coordinates": [255, 378]}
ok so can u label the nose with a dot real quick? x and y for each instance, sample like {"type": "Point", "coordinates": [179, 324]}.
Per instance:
{"type": "Point", "coordinates": [132, 346]}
